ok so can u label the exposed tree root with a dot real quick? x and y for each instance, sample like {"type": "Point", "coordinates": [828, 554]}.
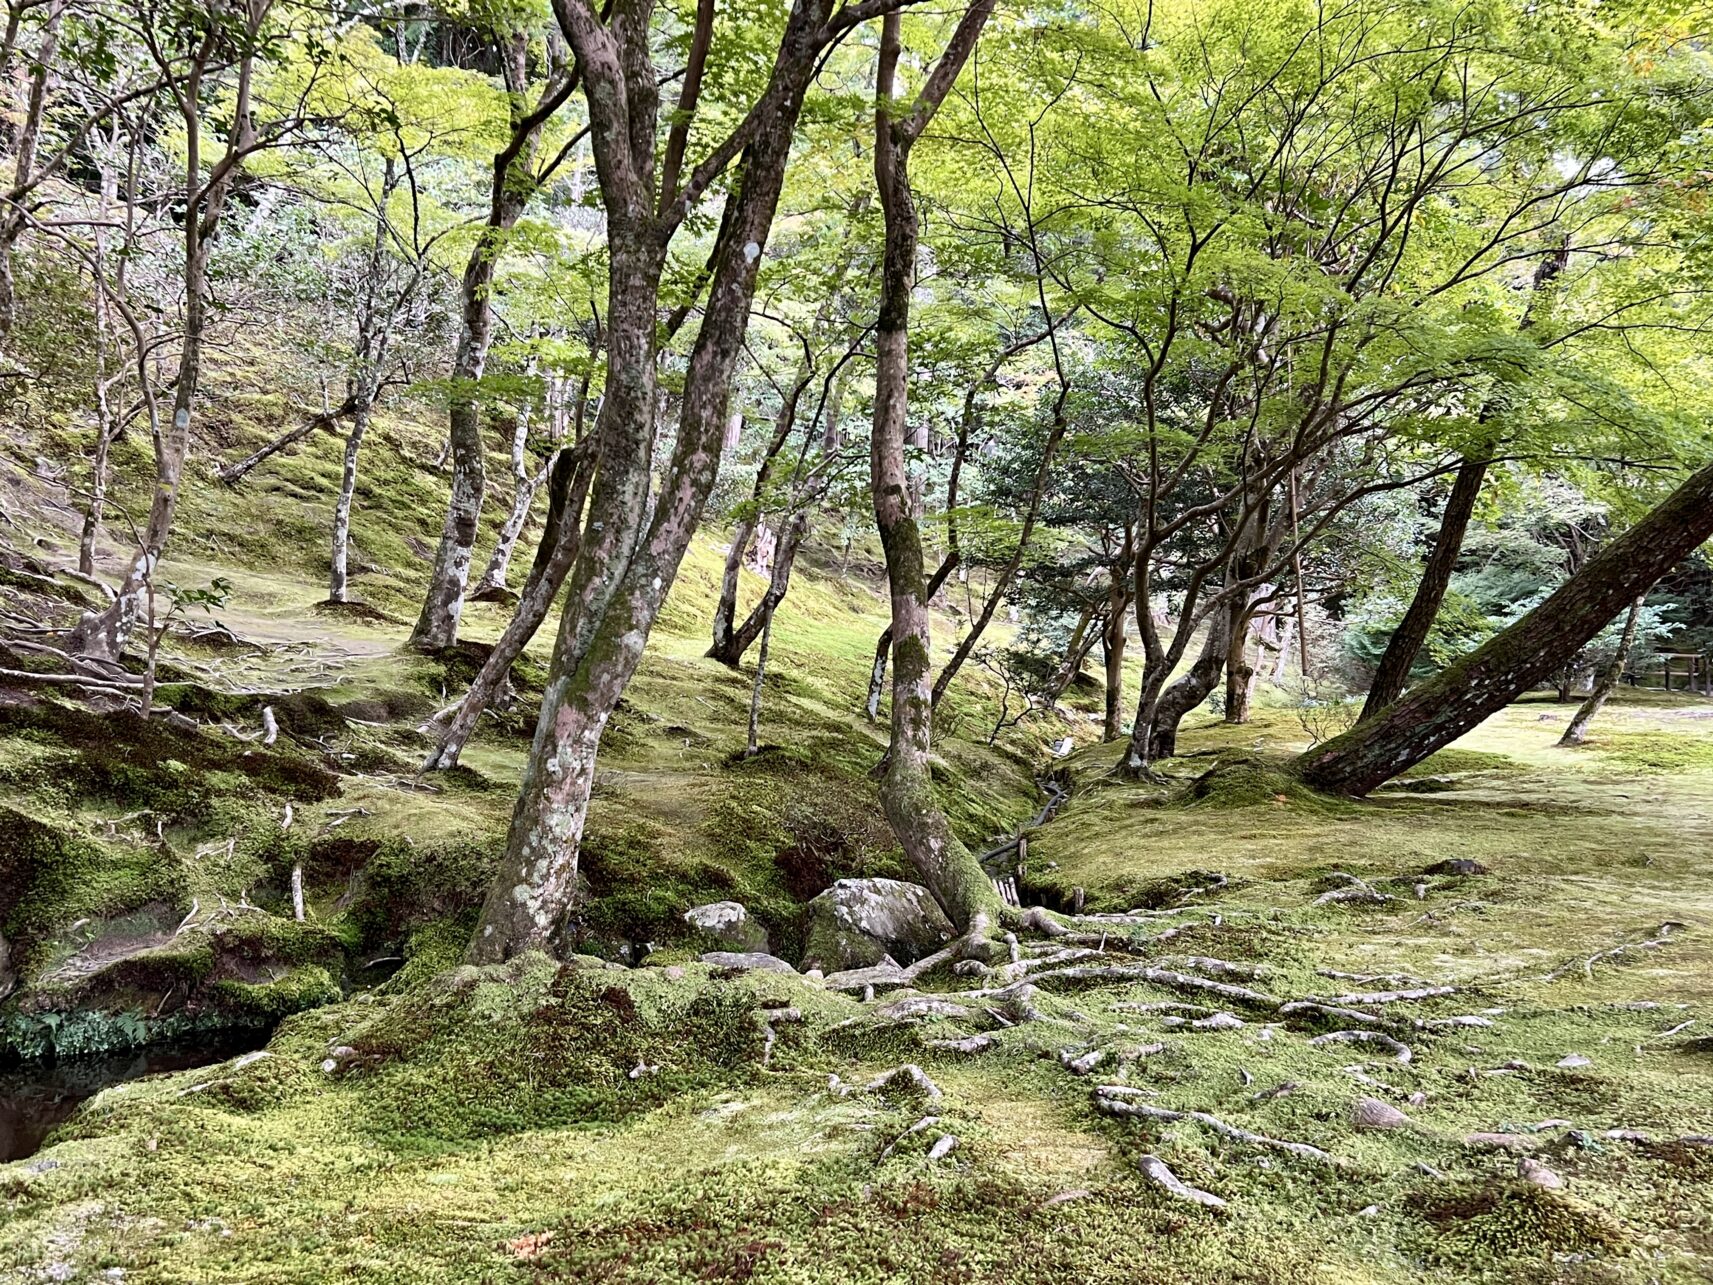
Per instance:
{"type": "Point", "coordinates": [1399, 1050]}
{"type": "Point", "coordinates": [1662, 935]}
{"type": "Point", "coordinates": [1107, 1103]}
{"type": "Point", "coordinates": [1156, 1171]}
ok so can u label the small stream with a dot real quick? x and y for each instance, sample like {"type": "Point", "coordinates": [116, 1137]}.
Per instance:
{"type": "Point", "coordinates": [36, 1096]}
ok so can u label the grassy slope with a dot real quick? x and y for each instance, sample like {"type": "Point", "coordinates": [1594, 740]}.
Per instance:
{"type": "Point", "coordinates": [487, 1127]}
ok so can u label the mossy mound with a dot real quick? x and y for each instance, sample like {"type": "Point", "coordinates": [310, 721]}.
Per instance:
{"type": "Point", "coordinates": [123, 758]}
{"type": "Point", "coordinates": [549, 1044]}
{"type": "Point", "coordinates": [1239, 780]}
{"type": "Point", "coordinates": [1514, 1219]}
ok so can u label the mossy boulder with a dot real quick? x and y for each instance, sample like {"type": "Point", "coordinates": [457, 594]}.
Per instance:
{"type": "Point", "coordinates": [726, 925]}
{"type": "Point", "coordinates": [859, 922]}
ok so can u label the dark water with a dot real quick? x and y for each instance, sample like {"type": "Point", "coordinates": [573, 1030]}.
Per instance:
{"type": "Point", "coordinates": [36, 1096]}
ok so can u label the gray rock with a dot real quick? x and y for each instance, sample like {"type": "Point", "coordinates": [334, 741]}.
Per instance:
{"type": "Point", "coordinates": [1571, 1061]}
{"type": "Point", "coordinates": [1534, 1171]}
{"type": "Point", "coordinates": [752, 960]}
{"type": "Point", "coordinates": [858, 922]}
{"type": "Point", "coordinates": [1460, 867]}
{"type": "Point", "coordinates": [726, 925]}
{"type": "Point", "coordinates": [1371, 1113]}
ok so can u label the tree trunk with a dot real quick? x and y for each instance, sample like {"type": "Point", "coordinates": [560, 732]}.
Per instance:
{"type": "Point", "coordinates": [14, 221]}
{"type": "Point", "coordinates": [525, 485]}
{"type": "Point", "coordinates": [619, 582]}
{"type": "Point", "coordinates": [1393, 673]}
{"type": "Point", "coordinates": [568, 488]}
{"type": "Point", "coordinates": [1239, 673]}
{"type": "Point", "coordinates": [103, 635]}
{"type": "Point", "coordinates": [751, 747]}
{"type": "Point", "coordinates": [338, 579]}
{"type": "Point", "coordinates": [946, 866]}
{"type": "Point", "coordinates": [883, 644]}
{"type": "Point", "coordinates": [443, 604]}
{"type": "Point", "coordinates": [1435, 713]}
{"type": "Point", "coordinates": [730, 647]}
{"type": "Point", "coordinates": [1607, 681]}
{"type": "Point", "coordinates": [1190, 690]}
{"type": "Point", "coordinates": [1114, 639]}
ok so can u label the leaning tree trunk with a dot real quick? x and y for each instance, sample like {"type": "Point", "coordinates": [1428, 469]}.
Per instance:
{"type": "Point", "coordinates": [733, 641]}
{"type": "Point", "coordinates": [1435, 713]}
{"type": "Point", "coordinates": [1239, 673]}
{"type": "Point", "coordinates": [1393, 673]}
{"type": "Point", "coordinates": [568, 487]}
{"type": "Point", "coordinates": [1190, 690]}
{"type": "Point", "coordinates": [946, 866]}
{"type": "Point", "coordinates": [1607, 681]}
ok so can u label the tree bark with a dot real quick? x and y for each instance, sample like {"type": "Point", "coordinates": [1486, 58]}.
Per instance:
{"type": "Point", "coordinates": [1393, 674]}
{"type": "Point", "coordinates": [513, 185]}
{"type": "Point", "coordinates": [730, 646]}
{"type": "Point", "coordinates": [1190, 690]}
{"type": "Point", "coordinates": [525, 485]}
{"type": "Point", "coordinates": [568, 489]}
{"type": "Point", "coordinates": [883, 644]}
{"type": "Point", "coordinates": [946, 866]}
{"type": "Point", "coordinates": [103, 635]}
{"type": "Point", "coordinates": [1405, 644]}
{"type": "Point", "coordinates": [338, 578]}
{"type": "Point", "coordinates": [1607, 681]}
{"type": "Point", "coordinates": [1435, 713]}
{"type": "Point", "coordinates": [630, 556]}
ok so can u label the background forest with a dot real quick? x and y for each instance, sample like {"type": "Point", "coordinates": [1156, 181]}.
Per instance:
{"type": "Point", "coordinates": [846, 640]}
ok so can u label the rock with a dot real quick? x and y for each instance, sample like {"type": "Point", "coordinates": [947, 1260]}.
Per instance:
{"type": "Point", "coordinates": [749, 960]}
{"type": "Point", "coordinates": [1534, 1171]}
{"type": "Point", "coordinates": [1371, 1113]}
{"type": "Point", "coordinates": [726, 925]}
{"type": "Point", "coordinates": [1572, 1061]}
{"type": "Point", "coordinates": [1217, 1022]}
{"type": "Point", "coordinates": [858, 922]}
{"type": "Point", "coordinates": [1461, 867]}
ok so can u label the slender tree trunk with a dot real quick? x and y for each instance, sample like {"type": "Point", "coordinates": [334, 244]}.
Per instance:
{"type": "Point", "coordinates": [947, 867]}
{"type": "Point", "coordinates": [338, 580]}
{"type": "Point", "coordinates": [730, 648]}
{"type": "Point", "coordinates": [1607, 681]}
{"type": "Point", "coordinates": [513, 183]}
{"type": "Point", "coordinates": [103, 635]}
{"type": "Point", "coordinates": [14, 221]}
{"type": "Point", "coordinates": [1393, 672]}
{"type": "Point", "coordinates": [752, 746]}
{"type": "Point", "coordinates": [883, 644]}
{"type": "Point", "coordinates": [525, 485]}
{"type": "Point", "coordinates": [1433, 714]}
{"type": "Point", "coordinates": [561, 539]}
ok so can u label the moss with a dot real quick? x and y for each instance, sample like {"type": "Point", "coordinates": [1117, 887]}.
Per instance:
{"type": "Point", "coordinates": [49, 878]}
{"type": "Point", "coordinates": [1513, 1218]}
{"type": "Point", "coordinates": [246, 1003]}
{"type": "Point", "coordinates": [1248, 781]}
{"type": "Point", "coordinates": [403, 887]}
{"type": "Point", "coordinates": [1652, 751]}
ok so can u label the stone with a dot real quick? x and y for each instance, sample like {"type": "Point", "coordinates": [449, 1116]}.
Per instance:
{"type": "Point", "coordinates": [1571, 1061]}
{"type": "Point", "coordinates": [1461, 867]}
{"type": "Point", "coordinates": [726, 925]}
{"type": "Point", "coordinates": [859, 922]}
{"type": "Point", "coordinates": [1371, 1113]}
{"type": "Point", "coordinates": [748, 961]}
{"type": "Point", "coordinates": [1534, 1171]}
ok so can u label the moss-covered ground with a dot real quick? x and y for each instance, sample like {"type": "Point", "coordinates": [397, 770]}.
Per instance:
{"type": "Point", "coordinates": [593, 1121]}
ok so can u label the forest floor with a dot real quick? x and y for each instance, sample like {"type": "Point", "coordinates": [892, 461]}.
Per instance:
{"type": "Point", "coordinates": [1519, 1087]}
